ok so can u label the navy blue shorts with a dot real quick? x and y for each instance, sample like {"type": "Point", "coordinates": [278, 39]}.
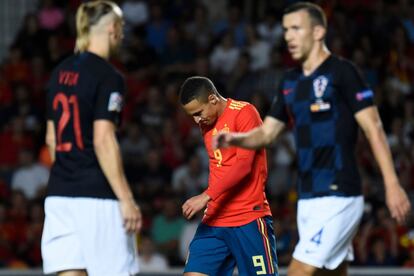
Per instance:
{"type": "Point", "coordinates": [217, 250]}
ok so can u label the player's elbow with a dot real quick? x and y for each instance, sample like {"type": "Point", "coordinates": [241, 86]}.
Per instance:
{"type": "Point", "coordinates": [374, 130]}
{"type": "Point", "coordinates": [269, 130]}
{"type": "Point", "coordinates": [101, 142]}
{"type": "Point", "coordinates": [267, 136]}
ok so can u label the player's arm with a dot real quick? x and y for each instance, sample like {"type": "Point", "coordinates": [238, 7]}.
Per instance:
{"type": "Point", "coordinates": [359, 98]}
{"type": "Point", "coordinates": [238, 171]}
{"type": "Point", "coordinates": [397, 200]}
{"type": "Point", "coordinates": [254, 139]}
{"type": "Point", "coordinates": [107, 113]}
{"type": "Point", "coordinates": [109, 157]}
{"type": "Point", "coordinates": [51, 139]}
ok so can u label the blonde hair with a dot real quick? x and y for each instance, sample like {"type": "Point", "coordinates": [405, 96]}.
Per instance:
{"type": "Point", "coordinates": [88, 15]}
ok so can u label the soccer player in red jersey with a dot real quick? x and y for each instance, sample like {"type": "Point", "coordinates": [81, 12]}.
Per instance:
{"type": "Point", "coordinates": [237, 225]}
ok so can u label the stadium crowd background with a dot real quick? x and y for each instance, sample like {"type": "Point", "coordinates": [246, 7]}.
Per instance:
{"type": "Point", "coordinates": [239, 45]}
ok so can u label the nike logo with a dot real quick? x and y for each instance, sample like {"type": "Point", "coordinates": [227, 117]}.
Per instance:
{"type": "Point", "coordinates": [307, 251]}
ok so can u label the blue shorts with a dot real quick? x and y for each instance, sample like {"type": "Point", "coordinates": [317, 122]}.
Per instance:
{"type": "Point", "coordinates": [217, 250]}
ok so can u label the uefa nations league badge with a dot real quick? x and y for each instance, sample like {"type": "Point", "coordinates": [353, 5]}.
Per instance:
{"type": "Point", "coordinates": [319, 87]}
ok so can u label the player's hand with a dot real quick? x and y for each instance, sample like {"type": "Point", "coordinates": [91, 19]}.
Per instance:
{"type": "Point", "coordinates": [131, 213]}
{"type": "Point", "coordinates": [193, 205]}
{"type": "Point", "coordinates": [397, 202]}
{"type": "Point", "coordinates": [221, 140]}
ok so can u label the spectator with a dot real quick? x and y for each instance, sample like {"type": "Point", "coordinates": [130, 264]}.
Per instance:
{"type": "Point", "coordinates": [149, 259]}
{"type": "Point", "coordinates": [135, 13]}
{"type": "Point", "coordinates": [157, 28]}
{"type": "Point", "coordinates": [199, 29]}
{"type": "Point", "coordinates": [187, 235]}
{"type": "Point", "coordinates": [409, 263]}
{"type": "Point", "coordinates": [258, 49]}
{"type": "Point", "coordinates": [233, 24]}
{"type": "Point", "coordinates": [50, 16]}
{"type": "Point", "coordinates": [166, 230]}
{"type": "Point", "coordinates": [153, 112]}
{"type": "Point", "coordinates": [154, 176]}
{"type": "Point", "coordinates": [16, 68]}
{"type": "Point", "coordinates": [6, 234]}
{"type": "Point", "coordinates": [224, 56]}
{"type": "Point", "coordinates": [133, 144]}
{"type": "Point", "coordinates": [242, 81]}
{"type": "Point", "coordinates": [31, 177]}
{"type": "Point", "coordinates": [31, 38]}
{"type": "Point", "coordinates": [12, 140]}
{"type": "Point", "coordinates": [190, 179]}
{"type": "Point", "coordinates": [178, 53]}
{"type": "Point", "coordinates": [270, 29]}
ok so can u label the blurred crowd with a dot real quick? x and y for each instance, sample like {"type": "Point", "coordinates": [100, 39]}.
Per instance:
{"type": "Point", "coordinates": [239, 45]}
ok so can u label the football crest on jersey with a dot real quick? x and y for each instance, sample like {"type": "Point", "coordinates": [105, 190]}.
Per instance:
{"type": "Point", "coordinates": [115, 102]}
{"type": "Point", "coordinates": [319, 86]}
{"type": "Point", "coordinates": [225, 128]}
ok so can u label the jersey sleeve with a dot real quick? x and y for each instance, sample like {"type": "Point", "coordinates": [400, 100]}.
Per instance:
{"type": "Point", "coordinates": [110, 97]}
{"type": "Point", "coordinates": [354, 90]}
{"type": "Point", "coordinates": [278, 108]}
{"type": "Point", "coordinates": [246, 120]}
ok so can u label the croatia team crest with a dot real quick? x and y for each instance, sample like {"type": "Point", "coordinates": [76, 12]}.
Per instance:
{"type": "Point", "coordinates": [319, 86]}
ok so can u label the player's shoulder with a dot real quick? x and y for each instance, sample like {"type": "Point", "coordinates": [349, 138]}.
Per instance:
{"type": "Point", "coordinates": [99, 66]}
{"type": "Point", "coordinates": [64, 64]}
{"type": "Point", "coordinates": [237, 106]}
{"type": "Point", "coordinates": [342, 64]}
{"type": "Point", "coordinates": [241, 107]}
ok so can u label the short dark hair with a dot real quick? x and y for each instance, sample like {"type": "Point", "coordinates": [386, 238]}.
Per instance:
{"type": "Point", "coordinates": [196, 88]}
{"type": "Point", "coordinates": [315, 12]}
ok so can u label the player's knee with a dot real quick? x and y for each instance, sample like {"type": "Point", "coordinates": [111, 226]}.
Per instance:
{"type": "Point", "coordinates": [341, 270]}
{"type": "Point", "coordinates": [194, 274]}
{"type": "Point", "coordinates": [72, 273]}
{"type": "Point", "coordinates": [297, 268]}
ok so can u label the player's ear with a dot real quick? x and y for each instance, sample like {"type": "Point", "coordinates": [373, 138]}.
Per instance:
{"type": "Point", "coordinates": [111, 28]}
{"type": "Point", "coordinates": [319, 32]}
{"type": "Point", "coordinates": [212, 98]}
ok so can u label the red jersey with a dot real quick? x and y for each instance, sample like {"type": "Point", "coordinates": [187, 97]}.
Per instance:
{"type": "Point", "coordinates": [237, 176]}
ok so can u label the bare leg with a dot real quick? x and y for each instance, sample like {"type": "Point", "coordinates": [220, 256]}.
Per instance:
{"type": "Point", "coordinates": [341, 270]}
{"type": "Point", "coordinates": [72, 273]}
{"type": "Point", "coordinates": [297, 268]}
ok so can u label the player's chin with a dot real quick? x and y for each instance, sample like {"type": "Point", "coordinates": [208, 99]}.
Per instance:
{"type": "Point", "coordinates": [205, 123]}
{"type": "Point", "coordinates": [297, 56]}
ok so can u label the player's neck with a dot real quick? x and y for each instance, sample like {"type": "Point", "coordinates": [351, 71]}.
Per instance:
{"type": "Point", "coordinates": [316, 57]}
{"type": "Point", "coordinates": [98, 47]}
{"type": "Point", "coordinates": [221, 105]}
